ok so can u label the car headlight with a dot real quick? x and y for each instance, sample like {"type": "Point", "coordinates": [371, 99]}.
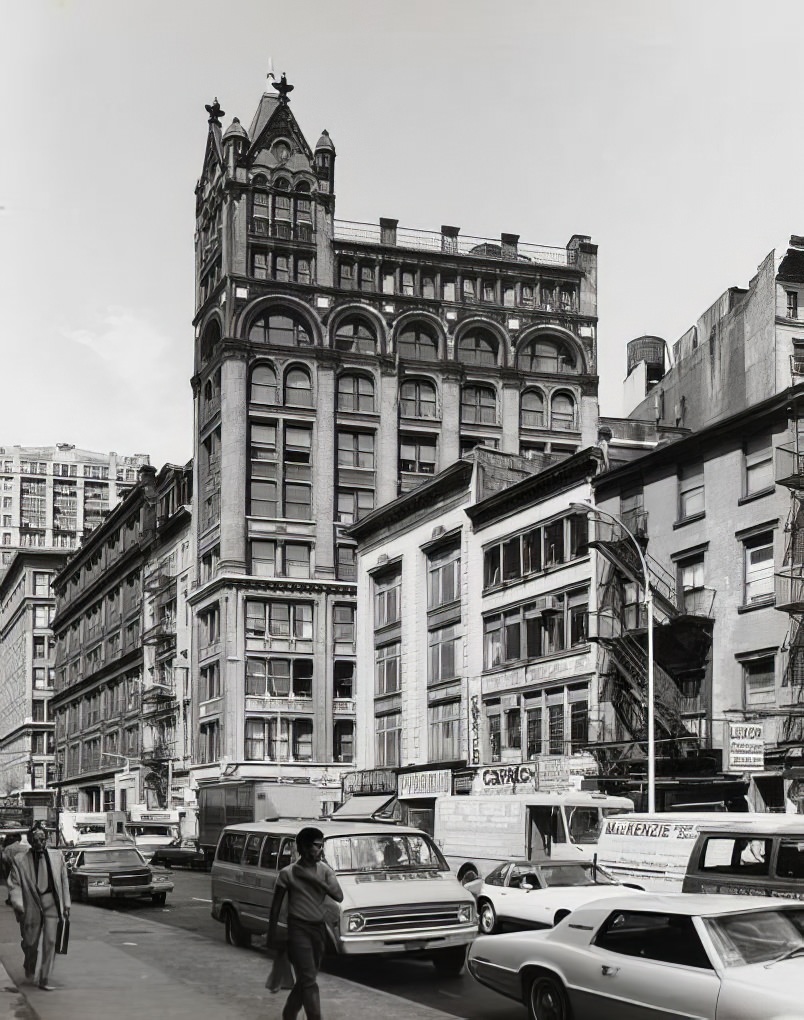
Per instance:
{"type": "Point", "coordinates": [159, 878]}
{"type": "Point", "coordinates": [356, 922]}
{"type": "Point", "coordinates": [99, 881]}
{"type": "Point", "coordinates": [466, 913]}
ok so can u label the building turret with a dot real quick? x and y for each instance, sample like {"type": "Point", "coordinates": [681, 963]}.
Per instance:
{"type": "Point", "coordinates": [325, 163]}
{"type": "Point", "coordinates": [235, 143]}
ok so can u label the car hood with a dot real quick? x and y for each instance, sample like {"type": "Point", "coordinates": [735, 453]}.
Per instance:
{"type": "Point", "coordinates": [113, 869]}
{"type": "Point", "coordinates": [368, 889]}
{"type": "Point", "coordinates": [757, 990]}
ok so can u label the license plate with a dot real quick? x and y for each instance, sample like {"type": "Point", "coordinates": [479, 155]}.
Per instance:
{"type": "Point", "coordinates": [415, 945]}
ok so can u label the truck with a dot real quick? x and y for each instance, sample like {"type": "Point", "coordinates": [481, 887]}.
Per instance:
{"type": "Point", "coordinates": [476, 832]}
{"type": "Point", "coordinates": [224, 804]}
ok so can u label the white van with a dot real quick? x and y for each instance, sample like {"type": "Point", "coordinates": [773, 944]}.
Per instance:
{"type": "Point", "coordinates": [399, 895]}
{"type": "Point", "coordinates": [478, 832]}
{"type": "Point", "coordinates": [655, 849]}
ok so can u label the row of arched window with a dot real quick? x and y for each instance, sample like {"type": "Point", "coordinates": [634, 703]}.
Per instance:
{"type": "Point", "coordinates": [418, 398]}
{"type": "Point", "coordinates": [422, 341]}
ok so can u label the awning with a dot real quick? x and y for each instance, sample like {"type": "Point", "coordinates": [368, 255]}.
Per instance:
{"type": "Point", "coordinates": [367, 807]}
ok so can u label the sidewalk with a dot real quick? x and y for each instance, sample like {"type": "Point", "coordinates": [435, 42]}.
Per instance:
{"type": "Point", "coordinates": [128, 966]}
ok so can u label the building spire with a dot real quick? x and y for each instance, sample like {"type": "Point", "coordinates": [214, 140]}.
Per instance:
{"type": "Point", "coordinates": [270, 75]}
{"type": "Point", "coordinates": [282, 88]}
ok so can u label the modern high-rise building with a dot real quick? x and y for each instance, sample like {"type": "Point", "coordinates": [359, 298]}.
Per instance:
{"type": "Point", "coordinates": [52, 496]}
{"type": "Point", "coordinates": [337, 365]}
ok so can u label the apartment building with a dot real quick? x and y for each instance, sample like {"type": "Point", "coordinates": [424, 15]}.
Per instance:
{"type": "Point", "coordinates": [27, 605]}
{"type": "Point", "coordinates": [52, 496]}
{"type": "Point", "coordinates": [337, 366]}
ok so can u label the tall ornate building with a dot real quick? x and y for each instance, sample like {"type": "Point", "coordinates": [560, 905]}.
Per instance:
{"type": "Point", "coordinates": [337, 365]}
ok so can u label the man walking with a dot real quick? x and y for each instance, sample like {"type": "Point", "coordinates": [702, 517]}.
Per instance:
{"type": "Point", "coordinates": [306, 883]}
{"type": "Point", "coordinates": [40, 895]}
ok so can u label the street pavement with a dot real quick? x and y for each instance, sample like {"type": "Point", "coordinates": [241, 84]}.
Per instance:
{"type": "Point", "coordinates": [128, 966]}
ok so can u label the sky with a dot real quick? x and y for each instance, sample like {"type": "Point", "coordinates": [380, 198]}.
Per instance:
{"type": "Point", "coordinates": [665, 131]}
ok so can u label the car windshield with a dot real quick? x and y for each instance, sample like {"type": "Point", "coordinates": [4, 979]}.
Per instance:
{"type": "Point", "coordinates": [383, 851]}
{"type": "Point", "coordinates": [584, 824]}
{"type": "Point", "coordinates": [574, 874]}
{"type": "Point", "coordinates": [757, 936]}
{"type": "Point", "coordinates": [103, 857]}
{"type": "Point", "coordinates": [151, 830]}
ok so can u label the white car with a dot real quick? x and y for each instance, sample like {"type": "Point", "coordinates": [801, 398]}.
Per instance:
{"type": "Point", "coordinates": [640, 957]}
{"type": "Point", "coordinates": [526, 895]}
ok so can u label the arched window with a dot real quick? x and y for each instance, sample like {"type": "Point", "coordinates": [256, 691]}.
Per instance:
{"type": "Point", "coordinates": [545, 355]}
{"type": "Point", "coordinates": [281, 329]}
{"type": "Point", "coordinates": [418, 343]}
{"type": "Point", "coordinates": [478, 347]}
{"type": "Point", "coordinates": [532, 410]}
{"type": "Point", "coordinates": [303, 187]}
{"type": "Point", "coordinates": [355, 393]}
{"type": "Point", "coordinates": [210, 339]}
{"type": "Point", "coordinates": [263, 386]}
{"type": "Point", "coordinates": [417, 399]}
{"type": "Point", "coordinates": [356, 335]}
{"type": "Point", "coordinates": [562, 412]}
{"type": "Point", "coordinates": [298, 388]}
{"type": "Point", "coordinates": [478, 405]}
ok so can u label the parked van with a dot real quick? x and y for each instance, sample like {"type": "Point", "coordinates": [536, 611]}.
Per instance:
{"type": "Point", "coordinates": [762, 857]}
{"type": "Point", "coordinates": [478, 832]}
{"type": "Point", "coordinates": [654, 850]}
{"type": "Point", "coordinates": [399, 895]}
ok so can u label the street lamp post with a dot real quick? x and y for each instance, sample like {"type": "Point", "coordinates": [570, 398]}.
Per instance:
{"type": "Point", "coordinates": [590, 510]}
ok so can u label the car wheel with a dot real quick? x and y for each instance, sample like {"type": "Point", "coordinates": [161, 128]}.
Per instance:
{"type": "Point", "coordinates": [235, 933]}
{"type": "Point", "coordinates": [450, 962]}
{"type": "Point", "coordinates": [469, 874]}
{"type": "Point", "coordinates": [486, 918]}
{"type": "Point", "coordinates": [159, 899]}
{"type": "Point", "coordinates": [547, 999]}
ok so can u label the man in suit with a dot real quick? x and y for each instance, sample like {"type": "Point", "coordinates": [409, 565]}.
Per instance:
{"type": "Point", "coordinates": [40, 895]}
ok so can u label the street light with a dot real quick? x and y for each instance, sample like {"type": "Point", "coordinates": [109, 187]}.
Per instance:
{"type": "Point", "coordinates": [589, 510]}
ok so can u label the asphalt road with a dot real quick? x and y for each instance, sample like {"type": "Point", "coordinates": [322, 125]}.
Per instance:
{"type": "Point", "coordinates": [189, 905]}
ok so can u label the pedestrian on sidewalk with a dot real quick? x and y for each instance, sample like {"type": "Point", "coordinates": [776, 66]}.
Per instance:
{"type": "Point", "coordinates": [306, 883]}
{"type": "Point", "coordinates": [40, 895]}
{"type": "Point", "coordinates": [11, 845]}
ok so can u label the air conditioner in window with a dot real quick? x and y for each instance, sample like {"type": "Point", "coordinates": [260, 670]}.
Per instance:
{"type": "Point", "coordinates": [549, 604]}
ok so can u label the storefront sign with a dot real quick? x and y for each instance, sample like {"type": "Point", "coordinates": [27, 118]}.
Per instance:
{"type": "Point", "coordinates": [509, 775]}
{"type": "Point", "coordinates": [462, 782]}
{"type": "Point", "coordinates": [424, 784]}
{"type": "Point", "coordinates": [746, 747]}
{"type": "Point", "coordinates": [573, 665]}
{"type": "Point", "coordinates": [369, 781]}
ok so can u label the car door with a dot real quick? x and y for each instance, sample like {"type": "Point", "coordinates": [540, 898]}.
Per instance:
{"type": "Point", "coordinates": [521, 904]}
{"type": "Point", "coordinates": [254, 912]}
{"type": "Point", "coordinates": [643, 965]}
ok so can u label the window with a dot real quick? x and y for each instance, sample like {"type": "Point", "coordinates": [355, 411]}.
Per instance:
{"type": "Point", "coordinates": [443, 577]}
{"type": "Point", "coordinates": [387, 679]}
{"type": "Point", "coordinates": [792, 304]}
{"type": "Point", "coordinates": [298, 388]}
{"type": "Point", "coordinates": [478, 405]}
{"type": "Point", "coordinates": [532, 410]}
{"type": "Point", "coordinates": [545, 626]}
{"type": "Point", "coordinates": [355, 449]}
{"type": "Point", "coordinates": [283, 330]}
{"type": "Point", "coordinates": [758, 558]}
{"type": "Point", "coordinates": [343, 678]}
{"type": "Point", "coordinates": [211, 681]}
{"type": "Point", "coordinates": [445, 731]}
{"type": "Point", "coordinates": [448, 289]}
{"type": "Point", "coordinates": [355, 393]}
{"type": "Point", "coordinates": [759, 675]}
{"type": "Point", "coordinates": [477, 347]}
{"type": "Point", "coordinates": [691, 491]}
{"type": "Point", "coordinates": [468, 287]}
{"type": "Point", "coordinates": [513, 728]}
{"type": "Point", "coordinates": [367, 278]}
{"type": "Point", "coordinates": [389, 740]}
{"type": "Point", "coordinates": [495, 738]}
{"type": "Point", "coordinates": [343, 738]}
{"type": "Point", "coordinates": [417, 455]}
{"type": "Point", "coordinates": [296, 557]}
{"type": "Point", "coordinates": [279, 677]}
{"type": "Point", "coordinates": [691, 582]}
{"type": "Point", "coordinates": [387, 599]}
{"type": "Point", "coordinates": [209, 624]}
{"type": "Point", "coordinates": [281, 267]}
{"type": "Point", "coordinates": [263, 500]}
{"type": "Point", "coordinates": [209, 744]}
{"type": "Point", "coordinates": [547, 545]}
{"type": "Point", "coordinates": [356, 335]}
{"type": "Point", "coordinates": [346, 563]}
{"type": "Point", "coordinates": [354, 504]}
{"type": "Point", "coordinates": [41, 583]}
{"type": "Point", "coordinates": [304, 272]}
{"type": "Point", "coordinates": [758, 465]}
{"type": "Point", "coordinates": [297, 490]}
{"type": "Point", "coordinates": [279, 620]}
{"type": "Point", "coordinates": [562, 412]}
{"type": "Point", "coordinates": [343, 623]}
{"type": "Point", "coordinates": [263, 558]}
{"type": "Point", "coordinates": [417, 399]}
{"type": "Point", "coordinates": [43, 615]}
{"type": "Point", "coordinates": [669, 938]}
{"type": "Point", "coordinates": [408, 283]}
{"type": "Point", "coordinates": [533, 732]}
{"type": "Point", "coordinates": [428, 287]}
{"type": "Point", "coordinates": [549, 356]}
{"type": "Point", "coordinates": [444, 653]}
{"type": "Point", "coordinates": [418, 343]}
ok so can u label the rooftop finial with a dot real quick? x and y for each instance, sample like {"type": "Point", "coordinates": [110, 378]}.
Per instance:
{"type": "Point", "coordinates": [215, 112]}
{"type": "Point", "coordinates": [282, 88]}
{"type": "Point", "coordinates": [270, 75]}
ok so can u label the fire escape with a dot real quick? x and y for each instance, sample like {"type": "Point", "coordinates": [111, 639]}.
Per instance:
{"type": "Point", "coordinates": [159, 700]}
{"type": "Point", "coordinates": [682, 633]}
{"type": "Point", "coordinates": [790, 580]}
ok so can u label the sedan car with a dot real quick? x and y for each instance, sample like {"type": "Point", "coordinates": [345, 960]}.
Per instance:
{"type": "Point", "coordinates": [526, 895]}
{"type": "Point", "coordinates": [634, 956]}
{"type": "Point", "coordinates": [185, 852]}
{"type": "Point", "coordinates": [110, 872]}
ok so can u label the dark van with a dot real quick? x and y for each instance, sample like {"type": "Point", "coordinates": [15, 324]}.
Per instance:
{"type": "Point", "coordinates": [753, 858]}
